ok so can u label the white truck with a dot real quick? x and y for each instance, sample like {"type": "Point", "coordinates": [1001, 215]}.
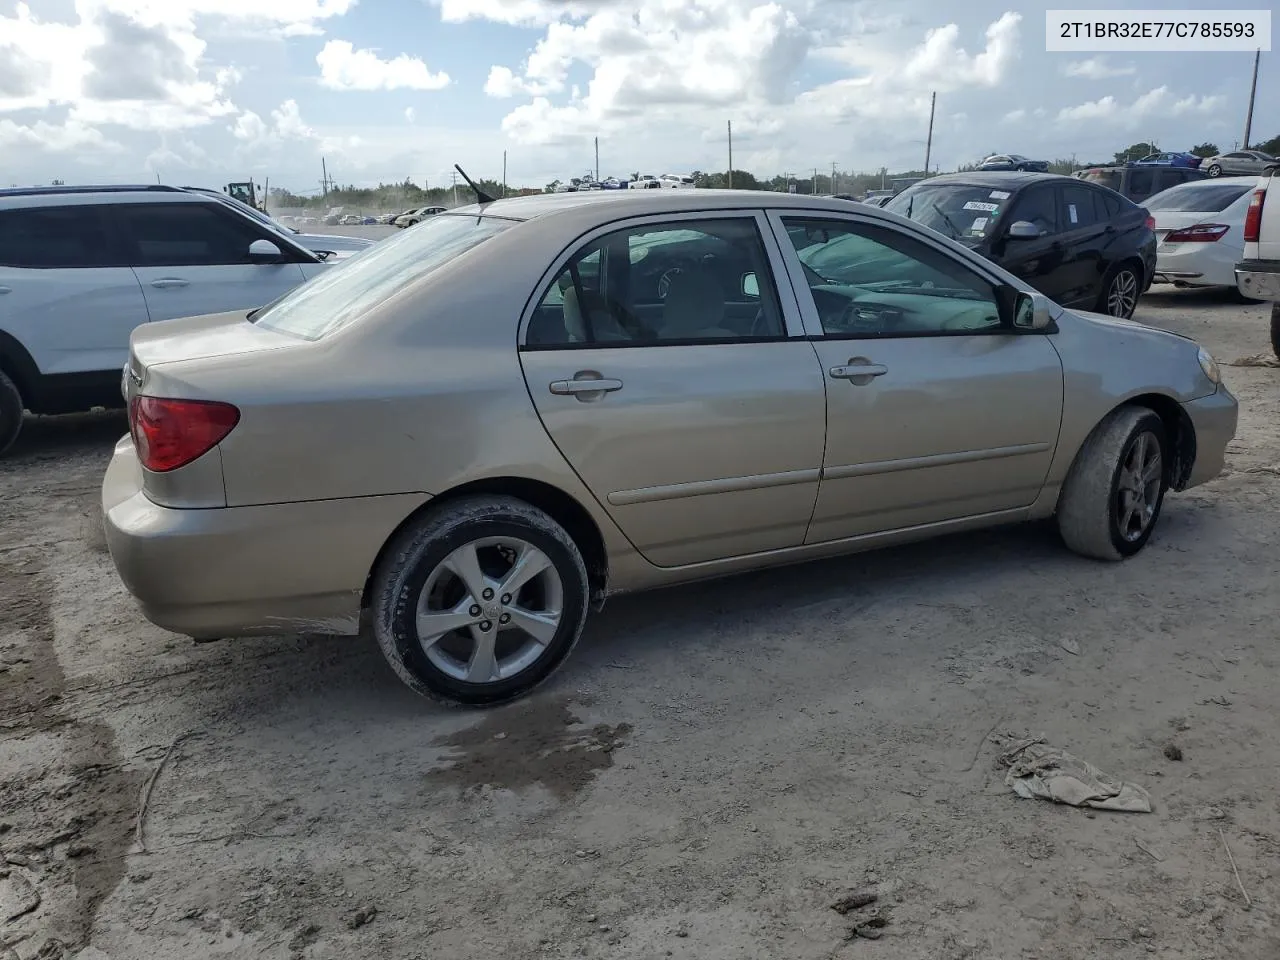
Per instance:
{"type": "Point", "coordinates": [1258, 274]}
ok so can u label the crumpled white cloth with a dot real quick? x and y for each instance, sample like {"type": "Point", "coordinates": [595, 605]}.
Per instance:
{"type": "Point", "coordinates": [1039, 771]}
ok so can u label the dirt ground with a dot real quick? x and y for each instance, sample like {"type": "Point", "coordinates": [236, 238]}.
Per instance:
{"type": "Point", "coordinates": [714, 768]}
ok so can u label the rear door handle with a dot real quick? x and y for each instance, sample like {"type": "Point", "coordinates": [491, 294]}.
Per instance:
{"type": "Point", "coordinates": [857, 371]}
{"type": "Point", "coordinates": [167, 282]}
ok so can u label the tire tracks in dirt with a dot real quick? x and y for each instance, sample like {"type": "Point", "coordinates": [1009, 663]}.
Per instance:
{"type": "Point", "coordinates": [71, 806]}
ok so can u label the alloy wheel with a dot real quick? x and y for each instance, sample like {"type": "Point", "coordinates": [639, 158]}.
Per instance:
{"type": "Point", "coordinates": [489, 609]}
{"type": "Point", "coordinates": [1122, 295]}
{"type": "Point", "coordinates": [1138, 486]}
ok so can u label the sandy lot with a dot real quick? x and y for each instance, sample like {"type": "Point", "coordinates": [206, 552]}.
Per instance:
{"type": "Point", "coordinates": [714, 768]}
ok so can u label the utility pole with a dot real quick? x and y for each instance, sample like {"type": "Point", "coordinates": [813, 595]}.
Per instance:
{"type": "Point", "coordinates": [324, 181]}
{"type": "Point", "coordinates": [730, 123]}
{"type": "Point", "coordinates": [504, 173]}
{"type": "Point", "coordinates": [1253, 92]}
{"type": "Point", "coordinates": [597, 159]}
{"type": "Point", "coordinates": [928, 146]}
{"type": "Point", "coordinates": [454, 177]}
{"type": "Point", "coordinates": [833, 178]}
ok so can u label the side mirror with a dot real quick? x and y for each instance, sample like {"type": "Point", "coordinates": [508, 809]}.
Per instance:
{"type": "Point", "coordinates": [264, 251]}
{"type": "Point", "coordinates": [750, 286]}
{"type": "Point", "coordinates": [1031, 311]}
{"type": "Point", "coordinates": [1023, 230]}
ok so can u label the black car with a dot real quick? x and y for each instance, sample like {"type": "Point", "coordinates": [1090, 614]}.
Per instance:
{"type": "Point", "coordinates": [1080, 244]}
{"type": "Point", "coordinates": [1137, 182]}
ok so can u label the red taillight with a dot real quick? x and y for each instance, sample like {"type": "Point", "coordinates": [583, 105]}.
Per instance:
{"type": "Point", "coordinates": [1253, 216]}
{"type": "Point", "coordinates": [1151, 222]}
{"type": "Point", "coordinates": [169, 434]}
{"type": "Point", "coordinates": [1200, 233]}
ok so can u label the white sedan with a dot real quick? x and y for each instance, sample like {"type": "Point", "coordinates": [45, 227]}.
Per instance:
{"type": "Point", "coordinates": [1200, 229]}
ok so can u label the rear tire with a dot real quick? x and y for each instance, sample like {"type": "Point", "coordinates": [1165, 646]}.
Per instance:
{"type": "Point", "coordinates": [1114, 492]}
{"type": "Point", "coordinates": [1215, 170]}
{"type": "Point", "coordinates": [1120, 291]}
{"type": "Point", "coordinates": [11, 407]}
{"type": "Point", "coordinates": [441, 614]}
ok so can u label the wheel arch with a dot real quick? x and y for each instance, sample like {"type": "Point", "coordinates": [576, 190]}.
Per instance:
{"type": "Point", "coordinates": [1179, 430]}
{"type": "Point", "coordinates": [20, 367]}
{"type": "Point", "coordinates": [551, 500]}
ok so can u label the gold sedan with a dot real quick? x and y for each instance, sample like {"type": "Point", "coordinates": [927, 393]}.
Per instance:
{"type": "Point", "coordinates": [475, 431]}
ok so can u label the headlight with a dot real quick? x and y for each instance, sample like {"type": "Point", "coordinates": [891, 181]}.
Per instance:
{"type": "Point", "coordinates": [1209, 366]}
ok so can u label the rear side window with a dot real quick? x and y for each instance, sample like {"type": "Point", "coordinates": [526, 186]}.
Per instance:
{"type": "Point", "coordinates": [1141, 184]}
{"type": "Point", "coordinates": [186, 234]}
{"type": "Point", "coordinates": [1107, 178]}
{"type": "Point", "coordinates": [53, 237]}
{"type": "Point", "coordinates": [341, 295]}
{"type": "Point", "coordinates": [1078, 208]}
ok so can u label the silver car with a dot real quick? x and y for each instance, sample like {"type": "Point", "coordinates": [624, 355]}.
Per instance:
{"type": "Point", "coordinates": [480, 429]}
{"type": "Point", "coordinates": [1239, 163]}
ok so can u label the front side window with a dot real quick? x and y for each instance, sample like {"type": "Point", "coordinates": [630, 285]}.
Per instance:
{"type": "Point", "coordinates": [871, 281]}
{"type": "Point", "coordinates": [1038, 206]}
{"type": "Point", "coordinates": [53, 237]}
{"type": "Point", "coordinates": [691, 281]}
{"type": "Point", "coordinates": [341, 295]}
{"type": "Point", "coordinates": [186, 234]}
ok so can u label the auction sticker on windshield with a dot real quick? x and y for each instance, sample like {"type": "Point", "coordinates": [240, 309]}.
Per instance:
{"type": "Point", "coordinates": [982, 205]}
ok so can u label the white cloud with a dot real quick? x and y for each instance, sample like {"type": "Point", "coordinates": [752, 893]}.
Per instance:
{"type": "Point", "coordinates": [409, 114]}
{"type": "Point", "coordinates": [1095, 68]}
{"type": "Point", "coordinates": [343, 67]}
{"type": "Point", "coordinates": [522, 13]}
{"type": "Point", "coordinates": [1015, 116]}
{"type": "Point", "coordinates": [1154, 103]}
{"type": "Point", "coordinates": [55, 138]}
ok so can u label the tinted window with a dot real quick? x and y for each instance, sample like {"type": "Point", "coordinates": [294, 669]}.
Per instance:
{"type": "Point", "coordinates": [1141, 184]}
{"type": "Point", "coordinates": [1168, 178]}
{"type": "Point", "coordinates": [1108, 178]}
{"type": "Point", "coordinates": [1038, 205]}
{"type": "Point", "coordinates": [187, 234]}
{"type": "Point", "coordinates": [660, 284]}
{"type": "Point", "coordinates": [1110, 202]}
{"type": "Point", "coordinates": [872, 281]}
{"type": "Point", "coordinates": [1078, 209]}
{"type": "Point", "coordinates": [1203, 197]}
{"type": "Point", "coordinates": [341, 295]}
{"type": "Point", "coordinates": [50, 237]}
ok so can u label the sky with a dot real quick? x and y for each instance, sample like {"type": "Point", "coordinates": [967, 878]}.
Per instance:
{"type": "Point", "coordinates": [205, 92]}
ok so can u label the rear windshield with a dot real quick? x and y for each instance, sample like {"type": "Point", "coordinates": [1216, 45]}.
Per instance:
{"type": "Point", "coordinates": [1107, 178]}
{"type": "Point", "coordinates": [961, 211]}
{"type": "Point", "coordinates": [343, 293]}
{"type": "Point", "coordinates": [1207, 197]}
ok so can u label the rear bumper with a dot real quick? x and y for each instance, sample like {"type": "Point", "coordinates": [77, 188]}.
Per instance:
{"type": "Point", "coordinates": [245, 571]}
{"type": "Point", "coordinates": [1259, 279]}
{"type": "Point", "coordinates": [1214, 418]}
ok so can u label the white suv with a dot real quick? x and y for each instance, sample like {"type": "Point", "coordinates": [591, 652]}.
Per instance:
{"type": "Point", "coordinates": [80, 267]}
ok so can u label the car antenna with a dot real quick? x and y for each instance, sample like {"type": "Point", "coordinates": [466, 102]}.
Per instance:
{"type": "Point", "coordinates": [481, 196]}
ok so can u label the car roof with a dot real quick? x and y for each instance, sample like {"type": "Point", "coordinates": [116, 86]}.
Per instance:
{"type": "Point", "coordinates": [992, 178]}
{"type": "Point", "coordinates": [13, 197]}
{"type": "Point", "coordinates": [616, 204]}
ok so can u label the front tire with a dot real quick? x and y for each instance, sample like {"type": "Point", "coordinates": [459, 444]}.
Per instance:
{"type": "Point", "coordinates": [480, 601]}
{"type": "Point", "coordinates": [1215, 170]}
{"type": "Point", "coordinates": [1114, 492]}
{"type": "Point", "coordinates": [1120, 292]}
{"type": "Point", "coordinates": [11, 407]}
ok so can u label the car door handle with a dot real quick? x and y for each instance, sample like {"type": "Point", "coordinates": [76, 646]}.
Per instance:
{"type": "Point", "coordinates": [857, 371]}
{"type": "Point", "coordinates": [585, 387]}
{"type": "Point", "coordinates": [167, 282]}
{"type": "Point", "coordinates": [6, 289]}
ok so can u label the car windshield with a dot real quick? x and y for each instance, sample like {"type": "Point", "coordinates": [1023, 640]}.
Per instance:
{"type": "Point", "coordinates": [339, 296]}
{"type": "Point", "coordinates": [1199, 197]}
{"type": "Point", "coordinates": [962, 211]}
